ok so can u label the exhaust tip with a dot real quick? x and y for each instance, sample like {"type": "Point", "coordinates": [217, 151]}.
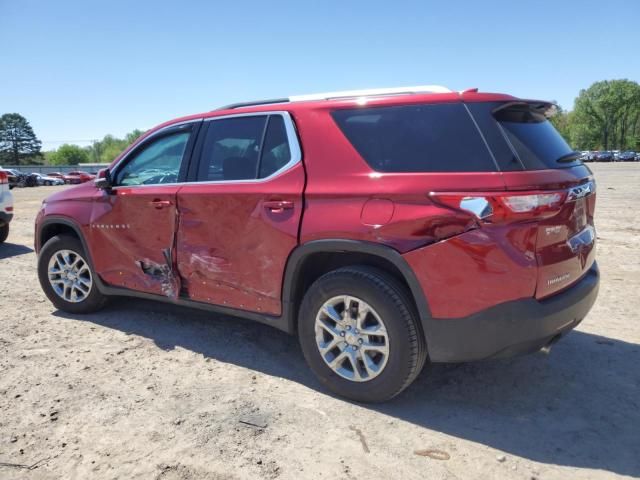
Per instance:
{"type": "Point", "coordinates": [547, 348]}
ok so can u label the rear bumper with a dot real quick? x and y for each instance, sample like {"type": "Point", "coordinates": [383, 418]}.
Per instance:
{"type": "Point", "coordinates": [512, 328]}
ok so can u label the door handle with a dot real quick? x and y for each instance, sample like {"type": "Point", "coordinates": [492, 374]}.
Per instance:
{"type": "Point", "coordinates": [160, 203]}
{"type": "Point", "coordinates": [278, 206]}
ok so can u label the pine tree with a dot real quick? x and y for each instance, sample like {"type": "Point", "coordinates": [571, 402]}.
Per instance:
{"type": "Point", "coordinates": [18, 143]}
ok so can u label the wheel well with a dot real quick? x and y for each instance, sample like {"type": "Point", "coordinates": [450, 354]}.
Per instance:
{"type": "Point", "coordinates": [317, 264]}
{"type": "Point", "coordinates": [52, 229]}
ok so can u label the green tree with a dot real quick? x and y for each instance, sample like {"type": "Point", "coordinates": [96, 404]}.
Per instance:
{"type": "Point", "coordinates": [107, 149]}
{"type": "Point", "coordinates": [69, 155]}
{"type": "Point", "coordinates": [18, 142]}
{"type": "Point", "coordinates": [607, 114]}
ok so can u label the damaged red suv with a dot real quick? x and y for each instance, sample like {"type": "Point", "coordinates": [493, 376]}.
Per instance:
{"type": "Point", "coordinates": [384, 227]}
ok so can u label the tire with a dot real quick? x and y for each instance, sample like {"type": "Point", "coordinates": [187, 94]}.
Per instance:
{"type": "Point", "coordinates": [4, 232]}
{"type": "Point", "coordinates": [391, 303]}
{"type": "Point", "coordinates": [92, 300]}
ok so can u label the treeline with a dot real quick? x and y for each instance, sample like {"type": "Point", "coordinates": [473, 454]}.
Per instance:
{"type": "Point", "coordinates": [100, 151]}
{"type": "Point", "coordinates": [605, 116]}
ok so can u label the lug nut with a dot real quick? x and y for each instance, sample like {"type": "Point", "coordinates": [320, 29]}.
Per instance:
{"type": "Point", "coordinates": [348, 327]}
{"type": "Point", "coordinates": [360, 341]}
{"type": "Point", "coordinates": [354, 348]}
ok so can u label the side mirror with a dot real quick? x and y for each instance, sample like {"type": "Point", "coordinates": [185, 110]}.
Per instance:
{"type": "Point", "coordinates": [103, 180]}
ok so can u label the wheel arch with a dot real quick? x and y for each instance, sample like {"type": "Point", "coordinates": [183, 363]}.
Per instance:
{"type": "Point", "coordinates": [311, 260]}
{"type": "Point", "coordinates": [55, 225]}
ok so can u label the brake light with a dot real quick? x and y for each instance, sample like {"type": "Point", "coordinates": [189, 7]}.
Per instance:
{"type": "Point", "coordinates": [4, 178]}
{"type": "Point", "coordinates": [494, 207]}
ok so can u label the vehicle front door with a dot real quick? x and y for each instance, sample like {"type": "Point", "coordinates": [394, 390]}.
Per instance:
{"type": "Point", "coordinates": [133, 224]}
{"type": "Point", "coordinates": [239, 217]}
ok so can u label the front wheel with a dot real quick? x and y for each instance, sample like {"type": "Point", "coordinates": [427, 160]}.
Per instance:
{"type": "Point", "coordinates": [360, 335]}
{"type": "Point", "coordinates": [66, 276]}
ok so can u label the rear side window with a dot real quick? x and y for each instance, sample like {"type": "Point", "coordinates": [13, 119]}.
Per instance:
{"type": "Point", "coordinates": [534, 139]}
{"type": "Point", "coordinates": [244, 148]}
{"type": "Point", "coordinates": [416, 138]}
{"type": "Point", "coordinates": [520, 136]}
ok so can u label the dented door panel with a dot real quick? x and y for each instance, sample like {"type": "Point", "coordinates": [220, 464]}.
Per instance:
{"type": "Point", "coordinates": [233, 241]}
{"type": "Point", "coordinates": [133, 229]}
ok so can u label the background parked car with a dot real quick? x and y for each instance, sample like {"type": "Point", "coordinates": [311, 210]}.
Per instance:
{"type": "Point", "coordinates": [59, 175]}
{"type": "Point", "coordinates": [605, 156]}
{"type": "Point", "coordinates": [627, 156]}
{"type": "Point", "coordinates": [79, 176]}
{"type": "Point", "coordinates": [42, 179]}
{"type": "Point", "coordinates": [15, 178]}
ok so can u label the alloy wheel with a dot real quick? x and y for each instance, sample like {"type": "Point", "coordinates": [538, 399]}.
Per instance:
{"type": "Point", "coordinates": [352, 338]}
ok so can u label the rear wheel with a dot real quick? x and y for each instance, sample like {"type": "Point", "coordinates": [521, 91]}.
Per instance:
{"type": "Point", "coordinates": [360, 335]}
{"type": "Point", "coordinates": [4, 232]}
{"type": "Point", "coordinates": [66, 276]}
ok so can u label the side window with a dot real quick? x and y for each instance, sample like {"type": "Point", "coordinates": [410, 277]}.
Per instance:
{"type": "Point", "coordinates": [244, 148]}
{"type": "Point", "coordinates": [275, 152]}
{"type": "Point", "coordinates": [232, 149]}
{"type": "Point", "coordinates": [159, 162]}
{"type": "Point", "coordinates": [416, 138]}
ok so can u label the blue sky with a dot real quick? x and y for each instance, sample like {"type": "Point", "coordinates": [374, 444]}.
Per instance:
{"type": "Point", "coordinates": [81, 69]}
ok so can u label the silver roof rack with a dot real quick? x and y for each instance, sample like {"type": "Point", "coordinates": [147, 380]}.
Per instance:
{"type": "Point", "coordinates": [369, 92]}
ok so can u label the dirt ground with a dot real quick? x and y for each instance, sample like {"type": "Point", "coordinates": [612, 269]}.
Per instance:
{"type": "Point", "coordinates": [145, 390]}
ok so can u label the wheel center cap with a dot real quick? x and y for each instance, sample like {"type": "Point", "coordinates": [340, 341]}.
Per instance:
{"type": "Point", "coordinates": [71, 276]}
{"type": "Point", "coordinates": [351, 338]}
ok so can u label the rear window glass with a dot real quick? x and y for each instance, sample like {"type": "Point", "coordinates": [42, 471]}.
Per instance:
{"type": "Point", "coordinates": [416, 138]}
{"type": "Point", "coordinates": [534, 139]}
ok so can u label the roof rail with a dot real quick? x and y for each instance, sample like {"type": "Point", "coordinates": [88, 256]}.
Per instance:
{"type": "Point", "coordinates": [371, 92]}
{"type": "Point", "coordinates": [256, 102]}
{"type": "Point", "coordinates": [344, 94]}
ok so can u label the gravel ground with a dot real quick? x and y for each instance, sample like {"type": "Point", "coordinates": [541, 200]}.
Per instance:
{"type": "Point", "coordinates": [146, 390]}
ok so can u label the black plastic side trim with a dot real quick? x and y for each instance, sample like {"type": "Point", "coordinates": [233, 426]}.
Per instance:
{"type": "Point", "coordinates": [297, 257]}
{"type": "Point", "coordinates": [273, 321]}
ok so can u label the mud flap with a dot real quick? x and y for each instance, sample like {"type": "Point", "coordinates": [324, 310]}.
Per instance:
{"type": "Point", "coordinates": [162, 273]}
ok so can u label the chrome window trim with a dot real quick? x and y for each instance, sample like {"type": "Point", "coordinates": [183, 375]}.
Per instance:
{"type": "Point", "coordinates": [292, 138]}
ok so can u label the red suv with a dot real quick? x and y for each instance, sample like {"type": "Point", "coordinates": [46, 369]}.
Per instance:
{"type": "Point", "coordinates": [385, 227]}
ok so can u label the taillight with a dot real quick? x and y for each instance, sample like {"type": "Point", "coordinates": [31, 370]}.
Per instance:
{"type": "Point", "coordinates": [494, 207]}
{"type": "Point", "coordinates": [4, 178]}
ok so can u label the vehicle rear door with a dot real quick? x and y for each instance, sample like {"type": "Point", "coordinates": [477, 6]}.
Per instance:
{"type": "Point", "coordinates": [133, 224]}
{"type": "Point", "coordinates": [240, 212]}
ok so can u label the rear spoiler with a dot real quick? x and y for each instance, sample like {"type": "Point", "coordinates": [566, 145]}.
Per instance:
{"type": "Point", "coordinates": [548, 109]}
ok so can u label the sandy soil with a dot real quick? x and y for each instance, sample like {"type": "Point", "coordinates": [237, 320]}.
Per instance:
{"type": "Point", "coordinates": [145, 390]}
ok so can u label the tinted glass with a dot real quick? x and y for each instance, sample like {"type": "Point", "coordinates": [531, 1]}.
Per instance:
{"type": "Point", "coordinates": [416, 138]}
{"type": "Point", "coordinates": [536, 142]}
{"type": "Point", "coordinates": [159, 162]}
{"type": "Point", "coordinates": [232, 149]}
{"type": "Point", "coordinates": [275, 152]}
{"type": "Point", "coordinates": [505, 156]}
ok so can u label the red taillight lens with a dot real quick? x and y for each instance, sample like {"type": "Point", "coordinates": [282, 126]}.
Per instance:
{"type": "Point", "coordinates": [492, 207]}
{"type": "Point", "coordinates": [3, 177]}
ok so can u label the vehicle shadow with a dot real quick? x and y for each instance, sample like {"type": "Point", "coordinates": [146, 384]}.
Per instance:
{"type": "Point", "coordinates": [12, 250]}
{"type": "Point", "coordinates": [578, 407]}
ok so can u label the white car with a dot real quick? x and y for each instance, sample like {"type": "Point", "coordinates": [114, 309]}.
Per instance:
{"type": "Point", "coordinates": [6, 206]}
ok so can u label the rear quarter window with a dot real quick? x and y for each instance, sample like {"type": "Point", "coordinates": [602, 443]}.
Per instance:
{"type": "Point", "coordinates": [416, 138]}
